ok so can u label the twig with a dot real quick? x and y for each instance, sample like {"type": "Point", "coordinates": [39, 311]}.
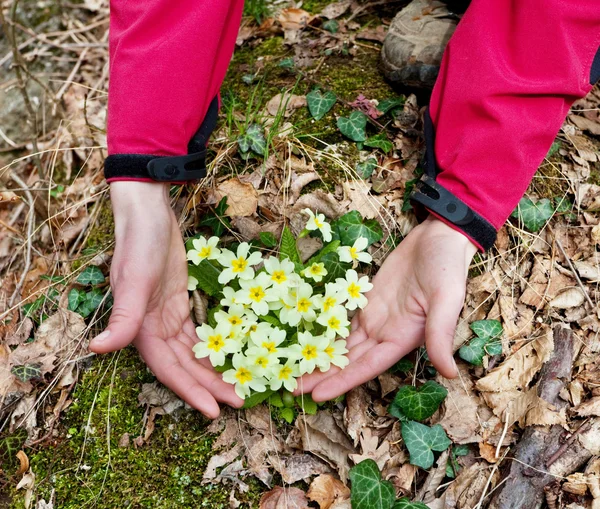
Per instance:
{"type": "Point", "coordinates": [581, 286]}
{"type": "Point", "coordinates": [566, 445]}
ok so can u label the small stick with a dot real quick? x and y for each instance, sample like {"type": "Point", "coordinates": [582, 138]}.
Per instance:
{"type": "Point", "coordinates": [566, 445]}
{"type": "Point", "coordinates": [582, 288]}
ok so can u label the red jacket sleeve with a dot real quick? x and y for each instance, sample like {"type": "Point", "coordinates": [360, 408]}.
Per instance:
{"type": "Point", "coordinates": [508, 77]}
{"type": "Point", "coordinates": [167, 61]}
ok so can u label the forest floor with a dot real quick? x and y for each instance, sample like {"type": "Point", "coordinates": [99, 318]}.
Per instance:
{"type": "Point", "coordinates": [80, 430]}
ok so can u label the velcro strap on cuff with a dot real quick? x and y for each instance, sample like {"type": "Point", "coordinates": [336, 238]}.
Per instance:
{"type": "Point", "coordinates": [428, 193]}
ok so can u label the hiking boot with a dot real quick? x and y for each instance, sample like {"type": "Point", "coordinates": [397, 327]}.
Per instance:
{"type": "Point", "coordinates": [413, 48]}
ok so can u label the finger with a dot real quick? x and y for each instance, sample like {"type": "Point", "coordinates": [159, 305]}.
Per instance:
{"type": "Point", "coordinates": [207, 377]}
{"type": "Point", "coordinates": [163, 362]}
{"type": "Point", "coordinates": [372, 363]}
{"type": "Point", "coordinates": [126, 317]}
{"type": "Point", "coordinates": [308, 382]}
{"type": "Point", "coordinates": [442, 316]}
{"type": "Point", "coordinates": [190, 329]}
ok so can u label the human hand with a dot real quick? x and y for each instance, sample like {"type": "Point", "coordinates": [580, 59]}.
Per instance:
{"type": "Point", "coordinates": [417, 297]}
{"type": "Point", "coordinates": [148, 278]}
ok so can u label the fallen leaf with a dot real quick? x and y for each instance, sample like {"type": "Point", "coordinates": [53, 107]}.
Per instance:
{"type": "Point", "coordinates": [308, 246]}
{"type": "Point", "coordinates": [519, 368]}
{"type": "Point", "coordinates": [589, 407]}
{"type": "Point", "coordinates": [284, 498]}
{"type": "Point", "coordinates": [285, 103]}
{"type": "Point", "coordinates": [326, 490]}
{"type": "Point", "coordinates": [27, 483]}
{"type": "Point", "coordinates": [371, 449]}
{"type": "Point", "coordinates": [298, 467]}
{"type": "Point", "coordinates": [361, 199]}
{"type": "Point", "coordinates": [570, 298]}
{"type": "Point", "coordinates": [23, 462]}
{"type": "Point", "coordinates": [299, 182]}
{"type": "Point", "coordinates": [219, 460]}
{"type": "Point", "coordinates": [488, 452]}
{"type": "Point", "coordinates": [356, 413]}
{"type": "Point", "coordinates": [335, 10]}
{"type": "Point", "coordinates": [242, 198]}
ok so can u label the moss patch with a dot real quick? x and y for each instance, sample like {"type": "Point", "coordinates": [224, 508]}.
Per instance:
{"type": "Point", "coordinates": [165, 473]}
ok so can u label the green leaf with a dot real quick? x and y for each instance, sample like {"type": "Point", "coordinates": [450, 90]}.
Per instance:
{"type": "Point", "coordinates": [10, 445]}
{"type": "Point", "coordinates": [351, 226]}
{"type": "Point", "coordinates": [288, 414]}
{"type": "Point", "coordinates": [320, 103]}
{"type": "Point", "coordinates": [405, 503]}
{"type": "Point", "coordinates": [554, 148]}
{"type": "Point", "coordinates": [488, 329]}
{"type": "Point", "coordinates": [335, 269]}
{"type": "Point", "coordinates": [395, 411]}
{"type": "Point", "coordinates": [453, 467]}
{"type": "Point", "coordinates": [533, 215]}
{"type": "Point", "coordinates": [380, 141]}
{"type": "Point", "coordinates": [76, 297]}
{"type": "Point", "coordinates": [257, 398]}
{"type": "Point", "coordinates": [369, 491]}
{"type": "Point", "coordinates": [288, 248]}
{"type": "Point", "coordinates": [390, 104]}
{"type": "Point", "coordinates": [366, 168]}
{"type": "Point", "coordinates": [91, 302]}
{"type": "Point", "coordinates": [404, 365]}
{"type": "Point", "coordinates": [26, 372]}
{"type": "Point", "coordinates": [331, 247]}
{"type": "Point", "coordinates": [275, 400]}
{"type": "Point", "coordinates": [226, 366]}
{"type": "Point", "coordinates": [474, 351]}
{"type": "Point", "coordinates": [208, 277]}
{"type": "Point", "coordinates": [419, 403]}
{"type": "Point", "coordinates": [267, 239]}
{"type": "Point", "coordinates": [253, 139]}
{"type": "Point", "coordinates": [307, 404]}
{"type": "Point", "coordinates": [354, 126]}
{"type": "Point", "coordinates": [331, 25]}
{"type": "Point", "coordinates": [287, 63]}
{"type": "Point", "coordinates": [91, 275]}
{"type": "Point", "coordinates": [422, 440]}
{"type": "Point", "coordinates": [216, 219]}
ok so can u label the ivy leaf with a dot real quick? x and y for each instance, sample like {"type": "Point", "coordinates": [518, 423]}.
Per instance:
{"type": "Point", "coordinates": [422, 440]}
{"type": "Point", "coordinates": [208, 277]}
{"type": "Point", "coordinates": [405, 503]}
{"type": "Point", "coordinates": [474, 351]}
{"type": "Point", "coordinates": [335, 269]}
{"type": "Point", "coordinates": [26, 372]}
{"type": "Point", "coordinates": [419, 403]}
{"type": "Point", "coordinates": [216, 220]}
{"type": "Point", "coordinates": [452, 467]}
{"type": "Point", "coordinates": [488, 329]}
{"type": "Point", "coordinates": [76, 297]}
{"type": "Point", "coordinates": [253, 139]}
{"type": "Point", "coordinates": [351, 226]}
{"type": "Point", "coordinates": [319, 104]}
{"type": "Point", "coordinates": [288, 247]}
{"type": "Point", "coordinates": [257, 398]}
{"type": "Point", "coordinates": [404, 365]}
{"type": "Point", "coordinates": [486, 342]}
{"type": "Point", "coordinates": [390, 104]}
{"type": "Point", "coordinates": [380, 141]}
{"type": "Point", "coordinates": [267, 239]}
{"type": "Point", "coordinates": [331, 25]}
{"type": "Point", "coordinates": [91, 275]}
{"type": "Point", "coordinates": [533, 215]}
{"type": "Point", "coordinates": [286, 63]}
{"type": "Point", "coordinates": [354, 126]}
{"type": "Point", "coordinates": [369, 491]}
{"type": "Point", "coordinates": [90, 303]}
{"type": "Point", "coordinates": [366, 168]}
{"type": "Point", "coordinates": [288, 414]}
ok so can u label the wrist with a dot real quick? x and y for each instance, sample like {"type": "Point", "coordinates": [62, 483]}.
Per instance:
{"type": "Point", "coordinates": [456, 236]}
{"type": "Point", "coordinates": [129, 197]}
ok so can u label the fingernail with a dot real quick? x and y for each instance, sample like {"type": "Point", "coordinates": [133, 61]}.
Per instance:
{"type": "Point", "coordinates": [101, 337]}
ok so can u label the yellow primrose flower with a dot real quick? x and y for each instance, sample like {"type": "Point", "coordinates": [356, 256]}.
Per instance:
{"type": "Point", "coordinates": [310, 350]}
{"type": "Point", "coordinates": [237, 316]}
{"type": "Point", "coordinates": [238, 265]}
{"type": "Point", "coordinates": [255, 294]}
{"type": "Point", "coordinates": [352, 289]}
{"type": "Point", "coordinates": [298, 305]}
{"type": "Point", "coordinates": [262, 359]}
{"type": "Point", "coordinates": [279, 271]}
{"type": "Point", "coordinates": [286, 375]}
{"type": "Point", "coordinates": [331, 298]}
{"type": "Point", "coordinates": [315, 271]}
{"type": "Point", "coordinates": [244, 377]}
{"type": "Point", "coordinates": [204, 250]}
{"type": "Point", "coordinates": [270, 341]}
{"type": "Point", "coordinates": [335, 354]}
{"type": "Point", "coordinates": [356, 253]}
{"type": "Point", "coordinates": [336, 322]}
{"type": "Point", "coordinates": [215, 343]}
{"type": "Point", "coordinates": [318, 222]}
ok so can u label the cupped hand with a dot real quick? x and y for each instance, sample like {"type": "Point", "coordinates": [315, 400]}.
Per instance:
{"type": "Point", "coordinates": [416, 298]}
{"type": "Point", "coordinates": [148, 278]}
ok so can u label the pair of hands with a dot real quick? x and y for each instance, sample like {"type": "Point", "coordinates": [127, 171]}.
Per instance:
{"type": "Point", "coordinates": [417, 296]}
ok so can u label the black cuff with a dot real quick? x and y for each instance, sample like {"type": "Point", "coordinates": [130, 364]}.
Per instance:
{"type": "Point", "coordinates": [167, 168]}
{"type": "Point", "coordinates": [428, 193]}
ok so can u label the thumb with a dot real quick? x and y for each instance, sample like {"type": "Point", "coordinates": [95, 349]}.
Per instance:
{"type": "Point", "coordinates": [444, 310]}
{"type": "Point", "coordinates": [126, 317]}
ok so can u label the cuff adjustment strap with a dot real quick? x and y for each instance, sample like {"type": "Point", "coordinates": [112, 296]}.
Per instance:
{"type": "Point", "coordinates": [428, 193]}
{"type": "Point", "coordinates": [167, 168]}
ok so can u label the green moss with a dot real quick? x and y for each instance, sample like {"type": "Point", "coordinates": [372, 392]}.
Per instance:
{"type": "Point", "coordinates": [164, 473]}
{"type": "Point", "coordinates": [103, 230]}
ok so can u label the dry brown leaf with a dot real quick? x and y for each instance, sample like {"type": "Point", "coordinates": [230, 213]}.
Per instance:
{"type": "Point", "coordinates": [219, 460]}
{"type": "Point", "coordinates": [284, 498]}
{"type": "Point", "coordinates": [242, 198]}
{"type": "Point", "coordinates": [356, 413]}
{"type": "Point", "coordinates": [488, 452]}
{"type": "Point", "coordinates": [371, 449]}
{"type": "Point", "coordinates": [298, 183]}
{"type": "Point", "coordinates": [308, 246]}
{"type": "Point", "coordinates": [325, 490]}
{"type": "Point", "coordinates": [23, 463]}
{"type": "Point", "coordinates": [517, 318]}
{"type": "Point", "coordinates": [570, 298]}
{"type": "Point", "coordinates": [520, 368]}
{"type": "Point", "coordinates": [285, 103]}
{"type": "Point", "coordinates": [361, 199]}
{"type": "Point", "coordinates": [298, 467]}
{"type": "Point", "coordinates": [27, 483]}
{"type": "Point", "coordinates": [294, 19]}
{"type": "Point", "coordinates": [250, 229]}
{"type": "Point", "coordinates": [466, 490]}
{"type": "Point", "coordinates": [589, 407]}
{"type": "Point", "coordinates": [322, 436]}
{"type": "Point", "coordinates": [335, 10]}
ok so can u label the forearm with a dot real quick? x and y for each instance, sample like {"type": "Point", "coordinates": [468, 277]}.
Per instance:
{"type": "Point", "coordinates": [507, 80]}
